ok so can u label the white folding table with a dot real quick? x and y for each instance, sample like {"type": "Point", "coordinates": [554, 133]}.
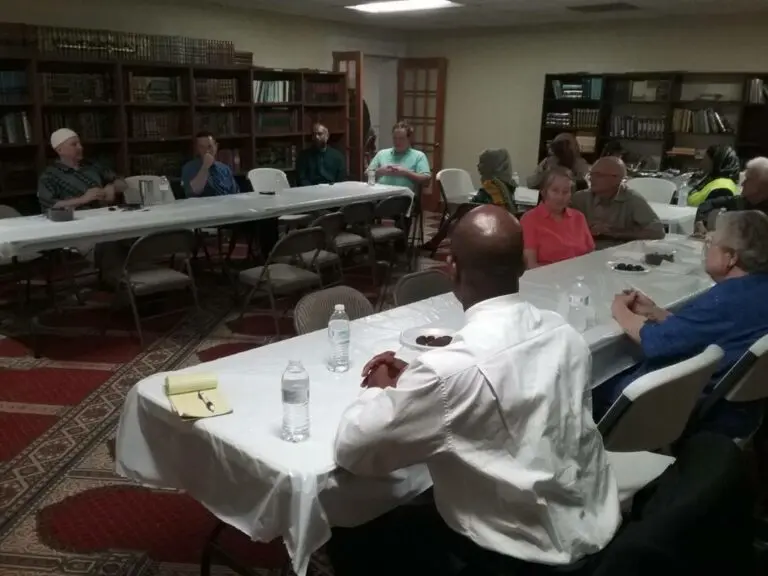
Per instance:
{"type": "Point", "coordinates": [33, 234]}
{"type": "Point", "coordinates": [238, 467]}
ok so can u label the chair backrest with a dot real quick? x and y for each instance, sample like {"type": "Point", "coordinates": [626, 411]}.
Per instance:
{"type": "Point", "coordinates": [456, 184]}
{"type": "Point", "coordinates": [8, 212]}
{"type": "Point", "coordinates": [160, 246]}
{"type": "Point", "coordinates": [652, 411]}
{"type": "Point", "coordinates": [332, 224]}
{"type": "Point", "coordinates": [420, 286]}
{"type": "Point", "coordinates": [298, 242]}
{"type": "Point", "coordinates": [313, 310]}
{"type": "Point", "coordinates": [746, 381]}
{"type": "Point", "coordinates": [395, 208]}
{"type": "Point", "coordinates": [359, 213]}
{"type": "Point", "coordinates": [158, 195]}
{"type": "Point", "coordinates": [653, 189]}
{"type": "Point", "coordinates": [268, 180]}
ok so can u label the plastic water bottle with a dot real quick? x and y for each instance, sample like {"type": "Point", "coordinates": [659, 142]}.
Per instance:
{"type": "Point", "coordinates": [295, 388]}
{"type": "Point", "coordinates": [682, 195]}
{"type": "Point", "coordinates": [516, 178]}
{"type": "Point", "coordinates": [580, 311]}
{"type": "Point", "coordinates": [338, 337]}
{"type": "Point", "coordinates": [371, 177]}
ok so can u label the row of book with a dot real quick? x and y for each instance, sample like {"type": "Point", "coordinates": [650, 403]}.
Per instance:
{"type": "Point", "coordinates": [274, 91]}
{"type": "Point", "coordinates": [88, 125]}
{"type": "Point", "coordinates": [76, 88]}
{"type": "Point", "coordinates": [277, 155]}
{"type": "Point", "coordinates": [277, 121]}
{"type": "Point", "coordinates": [640, 127]}
{"type": "Point", "coordinates": [86, 44]}
{"type": "Point", "coordinates": [156, 125]}
{"type": "Point", "coordinates": [155, 89]}
{"type": "Point", "coordinates": [579, 118]}
{"type": "Point", "coordinates": [164, 164]}
{"type": "Point", "coordinates": [757, 91]}
{"type": "Point", "coordinates": [334, 120]}
{"type": "Point", "coordinates": [17, 175]}
{"type": "Point", "coordinates": [324, 92]}
{"type": "Point", "coordinates": [584, 89]}
{"type": "Point", "coordinates": [704, 121]}
{"type": "Point", "coordinates": [15, 128]}
{"type": "Point", "coordinates": [216, 90]}
{"type": "Point", "coordinates": [221, 123]}
{"type": "Point", "coordinates": [13, 86]}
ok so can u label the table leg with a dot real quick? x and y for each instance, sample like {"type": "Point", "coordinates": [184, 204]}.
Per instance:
{"type": "Point", "coordinates": [212, 550]}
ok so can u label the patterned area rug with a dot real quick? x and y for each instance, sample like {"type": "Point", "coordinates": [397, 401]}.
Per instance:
{"type": "Point", "coordinates": [63, 510]}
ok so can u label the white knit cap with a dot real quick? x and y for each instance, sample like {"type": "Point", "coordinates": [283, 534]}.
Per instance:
{"type": "Point", "coordinates": [60, 136]}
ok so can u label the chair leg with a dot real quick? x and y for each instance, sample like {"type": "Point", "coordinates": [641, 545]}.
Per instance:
{"type": "Point", "coordinates": [275, 317]}
{"type": "Point", "coordinates": [247, 301]}
{"type": "Point", "coordinates": [193, 286]}
{"type": "Point", "coordinates": [136, 318]}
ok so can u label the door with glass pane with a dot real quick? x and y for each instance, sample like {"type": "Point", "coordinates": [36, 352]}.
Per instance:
{"type": "Point", "coordinates": [352, 64]}
{"type": "Point", "coordinates": [421, 103]}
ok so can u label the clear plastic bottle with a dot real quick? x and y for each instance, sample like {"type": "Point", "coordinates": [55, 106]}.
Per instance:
{"type": "Point", "coordinates": [371, 177]}
{"type": "Point", "coordinates": [682, 195]}
{"type": "Point", "coordinates": [516, 178]}
{"type": "Point", "coordinates": [580, 311]}
{"type": "Point", "coordinates": [295, 388]}
{"type": "Point", "coordinates": [338, 338]}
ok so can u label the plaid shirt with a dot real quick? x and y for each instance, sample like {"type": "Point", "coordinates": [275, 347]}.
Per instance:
{"type": "Point", "coordinates": [61, 182]}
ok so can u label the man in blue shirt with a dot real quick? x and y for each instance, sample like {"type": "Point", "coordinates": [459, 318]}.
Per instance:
{"type": "Point", "coordinates": [732, 314]}
{"type": "Point", "coordinates": [206, 176]}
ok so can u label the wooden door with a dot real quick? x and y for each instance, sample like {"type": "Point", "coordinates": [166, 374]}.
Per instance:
{"type": "Point", "coordinates": [352, 64]}
{"type": "Point", "coordinates": [421, 103]}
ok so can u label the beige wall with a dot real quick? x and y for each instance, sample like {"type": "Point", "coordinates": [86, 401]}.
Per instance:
{"type": "Point", "coordinates": [276, 40]}
{"type": "Point", "coordinates": [496, 82]}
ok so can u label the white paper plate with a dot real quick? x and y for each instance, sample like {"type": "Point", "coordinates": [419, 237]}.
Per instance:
{"type": "Point", "coordinates": [408, 337]}
{"type": "Point", "coordinates": [613, 263]}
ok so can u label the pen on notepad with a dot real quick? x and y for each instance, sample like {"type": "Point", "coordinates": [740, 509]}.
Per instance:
{"type": "Point", "coordinates": [207, 402]}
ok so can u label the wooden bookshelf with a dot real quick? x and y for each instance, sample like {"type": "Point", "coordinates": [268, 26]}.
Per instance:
{"type": "Point", "coordinates": [140, 117]}
{"type": "Point", "coordinates": [672, 116]}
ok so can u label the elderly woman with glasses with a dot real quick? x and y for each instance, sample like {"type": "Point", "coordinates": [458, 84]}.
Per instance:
{"type": "Point", "coordinates": [732, 314]}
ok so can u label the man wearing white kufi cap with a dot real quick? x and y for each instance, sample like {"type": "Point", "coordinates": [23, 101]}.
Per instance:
{"type": "Point", "coordinates": [72, 182]}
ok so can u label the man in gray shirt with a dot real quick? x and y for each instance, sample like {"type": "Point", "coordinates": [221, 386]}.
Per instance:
{"type": "Point", "coordinates": [615, 213]}
{"type": "Point", "coordinates": [71, 182]}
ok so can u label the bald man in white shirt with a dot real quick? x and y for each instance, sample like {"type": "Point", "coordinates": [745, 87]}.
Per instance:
{"type": "Point", "coordinates": [502, 418]}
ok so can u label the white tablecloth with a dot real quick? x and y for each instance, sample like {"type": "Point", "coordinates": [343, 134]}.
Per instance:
{"type": "Point", "coordinates": [31, 234]}
{"type": "Point", "coordinates": [240, 469]}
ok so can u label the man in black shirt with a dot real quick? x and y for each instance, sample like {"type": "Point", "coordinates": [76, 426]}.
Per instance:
{"type": "Point", "coordinates": [754, 194]}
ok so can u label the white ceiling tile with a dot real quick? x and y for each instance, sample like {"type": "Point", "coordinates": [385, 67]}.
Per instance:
{"type": "Point", "coordinates": [497, 13]}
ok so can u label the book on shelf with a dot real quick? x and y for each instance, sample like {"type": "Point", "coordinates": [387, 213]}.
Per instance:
{"type": "Point", "coordinates": [649, 127]}
{"type": "Point", "coordinates": [757, 91]}
{"type": "Point", "coordinates": [155, 89]}
{"type": "Point", "coordinates": [274, 91]}
{"type": "Point", "coordinates": [17, 175]}
{"type": "Point", "coordinates": [76, 88]}
{"type": "Point", "coordinates": [277, 156]}
{"type": "Point", "coordinates": [578, 118]}
{"type": "Point", "coordinates": [219, 123]}
{"type": "Point", "coordinates": [15, 128]}
{"type": "Point", "coordinates": [160, 125]}
{"type": "Point", "coordinates": [704, 121]}
{"type": "Point", "coordinates": [277, 121]}
{"type": "Point", "coordinates": [334, 120]}
{"type": "Point", "coordinates": [88, 125]}
{"type": "Point", "coordinates": [13, 86]}
{"type": "Point", "coordinates": [215, 90]}
{"type": "Point", "coordinates": [323, 93]}
{"type": "Point", "coordinates": [164, 164]}
{"type": "Point", "coordinates": [584, 89]}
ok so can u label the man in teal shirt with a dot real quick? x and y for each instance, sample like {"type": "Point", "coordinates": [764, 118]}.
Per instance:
{"type": "Point", "coordinates": [401, 165]}
{"type": "Point", "coordinates": [320, 164]}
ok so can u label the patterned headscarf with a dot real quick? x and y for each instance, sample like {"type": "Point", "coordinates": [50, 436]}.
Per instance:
{"type": "Point", "coordinates": [495, 163]}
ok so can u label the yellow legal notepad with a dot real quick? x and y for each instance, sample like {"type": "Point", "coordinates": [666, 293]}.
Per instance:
{"type": "Point", "coordinates": [195, 396]}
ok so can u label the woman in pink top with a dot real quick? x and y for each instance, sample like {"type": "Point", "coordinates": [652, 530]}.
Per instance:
{"type": "Point", "coordinates": [552, 231]}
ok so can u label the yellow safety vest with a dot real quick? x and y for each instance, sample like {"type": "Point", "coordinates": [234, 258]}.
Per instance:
{"type": "Point", "coordinates": [699, 196]}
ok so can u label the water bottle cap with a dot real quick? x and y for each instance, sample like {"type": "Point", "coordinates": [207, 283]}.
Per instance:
{"type": "Point", "coordinates": [339, 307]}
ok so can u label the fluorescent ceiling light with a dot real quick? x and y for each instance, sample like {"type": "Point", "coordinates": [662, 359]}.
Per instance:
{"type": "Point", "coordinates": [402, 6]}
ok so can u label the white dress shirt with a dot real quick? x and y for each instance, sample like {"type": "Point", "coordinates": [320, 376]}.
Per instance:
{"type": "Point", "coordinates": [502, 419]}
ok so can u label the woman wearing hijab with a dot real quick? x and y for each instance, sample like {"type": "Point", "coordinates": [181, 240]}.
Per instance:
{"type": "Point", "coordinates": [496, 187]}
{"type": "Point", "coordinates": [722, 167]}
{"type": "Point", "coordinates": [564, 152]}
